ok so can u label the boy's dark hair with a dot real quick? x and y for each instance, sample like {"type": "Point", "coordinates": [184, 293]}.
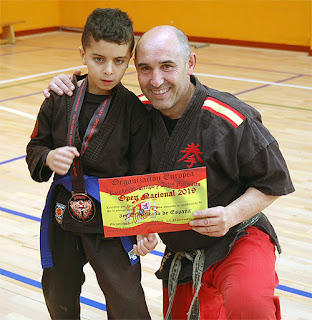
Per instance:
{"type": "Point", "coordinates": [112, 25]}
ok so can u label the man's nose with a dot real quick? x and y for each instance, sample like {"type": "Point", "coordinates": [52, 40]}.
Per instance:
{"type": "Point", "coordinates": [157, 78]}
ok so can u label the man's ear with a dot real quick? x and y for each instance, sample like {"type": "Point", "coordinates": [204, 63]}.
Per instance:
{"type": "Point", "coordinates": [191, 63]}
{"type": "Point", "coordinates": [82, 55]}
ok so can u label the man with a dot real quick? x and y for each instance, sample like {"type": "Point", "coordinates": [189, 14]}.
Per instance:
{"type": "Point", "coordinates": [225, 266]}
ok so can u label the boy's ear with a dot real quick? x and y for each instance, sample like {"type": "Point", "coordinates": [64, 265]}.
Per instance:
{"type": "Point", "coordinates": [82, 55]}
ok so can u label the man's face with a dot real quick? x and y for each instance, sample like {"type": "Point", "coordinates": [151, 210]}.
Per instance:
{"type": "Point", "coordinates": [163, 74]}
{"type": "Point", "coordinates": [107, 63]}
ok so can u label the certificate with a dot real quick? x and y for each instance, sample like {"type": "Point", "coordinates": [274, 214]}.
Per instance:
{"type": "Point", "coordinates": [159, 202]}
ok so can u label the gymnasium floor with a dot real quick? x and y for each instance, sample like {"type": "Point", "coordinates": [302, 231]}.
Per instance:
{"type": "Point", "coordinates": [277, 83]}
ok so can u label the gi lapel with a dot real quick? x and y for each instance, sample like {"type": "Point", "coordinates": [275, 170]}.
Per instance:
{"type": "Point", "coordinates": [98, 143]}
{"type": "Point", "coordinates": [168, 154]}
{"type": "Point", "coordinates": [69, 105]}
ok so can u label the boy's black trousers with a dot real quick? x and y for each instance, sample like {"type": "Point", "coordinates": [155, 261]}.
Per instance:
{"type": "Point", "coordinates": [119, 281]}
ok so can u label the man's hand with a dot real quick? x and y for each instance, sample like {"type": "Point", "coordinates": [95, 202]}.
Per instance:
{"type": "Point", "coordinates": [216, 221]}
{"type": "Point", "coordinates": [62, 83]}
{"type": "Point", "coordinates": [145, 244]}
{"type": "Point", "coordinates": [212, 222]}
{"type": "Point", "coordinates": [59, 160]}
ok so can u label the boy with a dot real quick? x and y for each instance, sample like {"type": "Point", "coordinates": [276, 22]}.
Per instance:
{"type": "Point", "coordinates": [111, 129]}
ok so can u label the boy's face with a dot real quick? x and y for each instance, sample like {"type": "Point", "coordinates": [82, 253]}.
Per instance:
{"type": "Point", "coordinates": [107, 63]}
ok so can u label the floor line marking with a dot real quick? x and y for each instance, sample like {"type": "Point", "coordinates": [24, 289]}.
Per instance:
{"type": "Point", "coordinates": [20, 113]}
{"type": "Point", "coordinates": [22, 96]}
{"type": "Point", "coordinates": [41, 74]}
{"type": "Point", "coordinates": [37, 284]}
{"type": "Point", "coordinates": [255, 81]}
{"type": "Point", "coordinates": [34, 218]}
{"type": "Point", "coordinates": [159, 253]}
{"type": "Point", "coordinates": [253, 69]}
{"type": "Point", "coordinates": [266, 85]}
{"type": "Point", "coordinates": [10, 160]}
{"type": "Point", "coordinates": [20, 214]}
{"type": "Point", "coordinates": [195, 73]}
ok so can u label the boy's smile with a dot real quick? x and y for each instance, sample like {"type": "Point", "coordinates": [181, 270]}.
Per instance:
{"type": "Point", "coordinates": [107, 63]}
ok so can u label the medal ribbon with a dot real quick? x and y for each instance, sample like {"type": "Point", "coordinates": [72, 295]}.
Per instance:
{"type": "Point", "coordinates": [76, 171]}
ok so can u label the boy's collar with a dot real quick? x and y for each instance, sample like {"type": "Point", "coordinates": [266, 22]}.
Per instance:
{"type": "Point", "coordinates": [79, 79]}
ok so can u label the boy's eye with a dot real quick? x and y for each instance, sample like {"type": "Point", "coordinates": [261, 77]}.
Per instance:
{"type": "Point", "coordinates": [119, 61]}
{"type": "Point", "coordinates": [98, 59]}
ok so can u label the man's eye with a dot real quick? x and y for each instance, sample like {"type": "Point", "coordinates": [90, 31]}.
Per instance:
{"type": "Point", "coordinates": [167, 66]}
{"type": "Point", "coordinates": [145, 68]}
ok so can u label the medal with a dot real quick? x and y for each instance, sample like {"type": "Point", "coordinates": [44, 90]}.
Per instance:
{"type": "Point", "coordinates": [81, 207]}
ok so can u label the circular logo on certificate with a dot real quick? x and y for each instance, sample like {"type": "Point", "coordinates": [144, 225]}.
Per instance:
{"type": "Point", "coordinates": [81, 207]}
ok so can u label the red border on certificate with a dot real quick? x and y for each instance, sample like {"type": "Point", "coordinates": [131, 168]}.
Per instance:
{"type": "Point", "coordinates": [159, 202]}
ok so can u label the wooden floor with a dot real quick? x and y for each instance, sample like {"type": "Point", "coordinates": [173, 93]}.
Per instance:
{"type": "Point", "coordinates": [277, 83]}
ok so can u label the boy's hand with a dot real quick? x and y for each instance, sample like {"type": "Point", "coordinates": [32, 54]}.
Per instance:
{"type": "Point", "coordinates": [59, 160]}
{"type": "Point", "coordinates": [61, 83]}
{"type": "Point", "coordinates": [145, 244]}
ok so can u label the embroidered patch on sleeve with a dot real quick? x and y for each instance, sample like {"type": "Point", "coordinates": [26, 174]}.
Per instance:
{"type": "Point", "coordinates": [59, 212]}
{"type": "Point", "coordinates": [223, 110]}
{"type": "Point", "coordinates": [143, 99]}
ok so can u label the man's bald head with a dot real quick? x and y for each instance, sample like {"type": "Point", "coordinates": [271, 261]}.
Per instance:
{"type": "Point", "coordinates": [164, 63]}
{"type": "Point", "coordinates": [166, 33]}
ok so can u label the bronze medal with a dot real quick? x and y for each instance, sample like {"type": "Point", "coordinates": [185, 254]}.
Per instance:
{"type": "Point", "coordinates": [81, 207]}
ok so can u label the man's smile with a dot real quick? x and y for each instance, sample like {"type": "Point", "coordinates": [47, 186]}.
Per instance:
{"type": "Point", "coordinates": [160, 91]}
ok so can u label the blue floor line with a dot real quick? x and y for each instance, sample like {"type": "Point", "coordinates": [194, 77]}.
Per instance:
{"type": "Point", "coordinates": [37, 284]}
{"type": "Point", "coordinates": [11, 160]}
{"type": "Point", "coordinates": [28, 216]}
{"type": "Point", "coordinates": [160, 254]}
{"type": "Point", "coordinates": [23, 215]}
{"type": "Point", "coordinates": [295, 291]}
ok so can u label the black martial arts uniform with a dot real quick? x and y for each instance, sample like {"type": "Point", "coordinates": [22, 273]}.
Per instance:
{"type": "Point", "coordinates": [120, 148]}
{"type": "Point", "coordinates": [227, 136]}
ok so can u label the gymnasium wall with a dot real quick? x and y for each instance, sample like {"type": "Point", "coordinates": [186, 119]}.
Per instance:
{"type": "Point", "coordinates": [262, 23]}
{"type": "Point", "coordinates": [40, 15]}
